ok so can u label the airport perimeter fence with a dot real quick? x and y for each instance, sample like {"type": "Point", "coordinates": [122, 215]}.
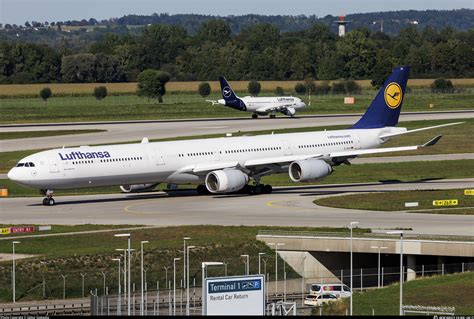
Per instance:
{"type": "Point", "coordinates": [368, 278]}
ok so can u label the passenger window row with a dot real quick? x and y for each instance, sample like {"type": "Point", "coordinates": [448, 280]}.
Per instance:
{"type": "Point", "coordinates": [127, 159]}
{"type": "Point", "coordinates": [247, 150]}
{"type": "Point", "coordinates": [325, 144]}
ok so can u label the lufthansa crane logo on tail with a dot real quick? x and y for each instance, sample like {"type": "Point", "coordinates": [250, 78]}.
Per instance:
{"type": "Point", "coordinates": [226, 91]}
{"type": "Point", "coordinates": [393, 95]}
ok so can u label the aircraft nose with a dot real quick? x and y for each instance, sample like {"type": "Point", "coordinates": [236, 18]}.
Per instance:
{"type": "Point", "coordinates": [11, 174]}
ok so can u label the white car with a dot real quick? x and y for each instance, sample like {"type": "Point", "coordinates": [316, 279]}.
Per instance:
{"type": "Point", "coordinates": [319, 300]}
{"type": "Point", "coordinates": [339, 290]}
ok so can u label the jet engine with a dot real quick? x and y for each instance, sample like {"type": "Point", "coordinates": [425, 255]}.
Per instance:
{"type": "Point", "coordinates": [309, 170]}
{"type": "Point", "coordinates": [289, 111]}
{"type": "Point", "coordinates": [137, 188]}
{"type": "Point", "coordinates": [226, 181]}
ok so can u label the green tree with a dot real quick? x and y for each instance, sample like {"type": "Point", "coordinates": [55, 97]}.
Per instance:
{"type": "Point", "coordinates": [442, 85]}
{"type": "Point", "coordinates": [204, 89]}
{"type": "Point", "coordinates": [100, 92]}
{"type": "Point", "coordinates": [152, 84]}
{"type": "Point", "coordinates": [300, 88]}
{"type": "Point", "coordinates": [254, 87]}
{"type": "Point", "coordinates": [279, 91]}
{"type": "Point", "coordinates": [215, 30]}
{"type": "Point", "coordinates": [45, 94]}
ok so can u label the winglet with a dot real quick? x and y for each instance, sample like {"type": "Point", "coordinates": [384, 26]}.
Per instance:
{"type": "Point", "coordinates": [433, 141]}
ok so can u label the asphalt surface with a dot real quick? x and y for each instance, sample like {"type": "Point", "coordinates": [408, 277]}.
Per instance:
{"type": "Point", "coordinates": [135, 130]}
{"type": "Point", "coordinates": [289, 206]}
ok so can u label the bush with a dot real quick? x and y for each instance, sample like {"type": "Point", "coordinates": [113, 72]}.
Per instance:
{"type": "Point", "coordinates": [310, 86]}
{"type": "Point", "coordinates": [300, 88]}
{"type": "Point", "coordinates": [100, 92]}
{"type": "Point", "coordinates": [338, 88]}
{"type": "Point", "coordinates": [152, 84]}
{"type": "Point", "coordinates": [352, 86]}
{"type": "Point", "coordinates": [254, 87]}
{"type": "Point", "coordinates": [442, 85]}
{"type": "Point", "coordinates": [204, 89]}
{"type": "Point", "coordinates": [45, 93]}
{"type": "Point", "coordinates": [322, 88]}
{"type": "Point", "coordinates": [279, 91]}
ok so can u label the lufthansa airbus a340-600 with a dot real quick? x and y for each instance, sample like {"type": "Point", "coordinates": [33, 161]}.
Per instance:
{"type": "Point", "coordinates": [222, 165]}
{"type": "Point", "coordinates": [287, 105]}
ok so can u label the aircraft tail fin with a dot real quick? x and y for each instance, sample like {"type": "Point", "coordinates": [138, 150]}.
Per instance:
{"type": "Point", "coordinates": [227, 93]}
{"type": "Point", "coordinates": [385, 108]}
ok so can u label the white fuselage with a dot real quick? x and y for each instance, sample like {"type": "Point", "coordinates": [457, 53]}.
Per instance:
{"type": "Point", "coordinates": [265, 105]}
{"type": "Point", "coordinates": [169, 162]}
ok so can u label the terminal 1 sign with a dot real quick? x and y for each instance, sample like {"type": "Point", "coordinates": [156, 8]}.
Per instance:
{"type": "Point", "coordinates": [234, 295]}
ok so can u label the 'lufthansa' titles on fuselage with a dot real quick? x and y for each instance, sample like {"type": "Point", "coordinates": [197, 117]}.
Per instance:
{"type": "Point", "coordinates": [83, 155]}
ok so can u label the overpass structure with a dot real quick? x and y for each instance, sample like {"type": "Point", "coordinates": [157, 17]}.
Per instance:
{"type": "Point", "coordinates": [325, 257]}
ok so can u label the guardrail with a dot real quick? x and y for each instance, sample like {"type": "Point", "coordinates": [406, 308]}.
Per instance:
{"type": "Point", "coordinates": [408, 236]}
{"type": "Point", "coordinates": [47, 310]}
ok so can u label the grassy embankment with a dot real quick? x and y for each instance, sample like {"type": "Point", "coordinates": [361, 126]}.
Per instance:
{"type": "Point", "coordinates": [74, 102]}
{"type": "Point", "coordinates": [395, 201]}
{"type": "Point", "coordinates": [455, 290]}
{"type": "Point", "coordinates": [92, 253]}
{"type": "Point", "coordinates": [28, 134]}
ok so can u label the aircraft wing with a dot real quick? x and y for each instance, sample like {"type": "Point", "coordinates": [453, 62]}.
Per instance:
{"type": "Point", "coordinates": [276, 164]}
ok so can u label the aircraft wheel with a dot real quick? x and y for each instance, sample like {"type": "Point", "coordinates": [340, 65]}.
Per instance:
{"type": "Point", "coordinates": [45, 201]}
{"type": "Point", "coordinates": [202, 190]}
{"type": "Point", "coordinates": [257, 190]}
{"type": "Point", "coordinates": [267, 189]}
{"type": "Point", "coordinates": [272, 116]}
{"type": "Point", "coordinates": [51, 201]}
{"type": "Point", "coordinates": [254, 116]}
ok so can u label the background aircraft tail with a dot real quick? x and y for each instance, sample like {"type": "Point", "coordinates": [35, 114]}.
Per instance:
{"type": "Point", "coordinates": [231, 99]}
{"type": "Point", "coordinates": [385, 108]}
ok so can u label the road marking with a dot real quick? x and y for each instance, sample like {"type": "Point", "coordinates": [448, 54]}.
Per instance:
{"type": "Point", "coordinates": [273, 205]}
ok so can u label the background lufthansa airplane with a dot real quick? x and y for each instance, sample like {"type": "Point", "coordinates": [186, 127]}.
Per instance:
{"type": "Point", "coordinates": [258, 105]}
{"type": "Point", "coordinates": [222, 165]}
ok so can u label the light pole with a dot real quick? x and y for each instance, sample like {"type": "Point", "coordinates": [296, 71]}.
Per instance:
{"type": "Point", "coordinates": [399, 232]}
{"type": "Point", "coordinates": [64, 285]}
{"type": "Point", "coordinates": [204, 265]}
{"type": "Point", "coordinates": [13, 270]}
{"type": "Point", "coordinates": [174, 285]}
{"type": "Point", "coordinates": [378, 267]}
{"type": "Point", "coordinates": [119, 301]}
{"type": "Point", "coordinates": [129, 274]}
{"type": "Point", "coordinates": [352, 224]}
{"type": "Point", "coordinates": [166, 275]}
{"type": "Point", "coordinates": [83, 275]}
{"type": "Point", "coordinates": [246, 264]}
{"type": "Point", "coordinates": [225, 268]}
{"type": "Point", "coordinates": [184, 259]}
{"type": "Point", "coordinates": [141, 273]}
{"type": "Point", "coordinates": [276, 264]}
{"type": "Point", "coordinates": [187, 278]}
{"type": "Point", "coordinates": [103, 275]}
{"type": "Point", "coordinates": [259, 268]}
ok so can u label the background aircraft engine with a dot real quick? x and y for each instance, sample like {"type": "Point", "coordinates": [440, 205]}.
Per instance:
{"type": "Point", "coordinates": [226, 181]}
{"type": "Point", "coordinates": [309, 170]}
{"type": "Point", "coordinates": [289, 111]}
{"type": "Point", "coordinates": [137, 188]}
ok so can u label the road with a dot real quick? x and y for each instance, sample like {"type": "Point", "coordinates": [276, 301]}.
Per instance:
{"type": "Point", "coordinates": [136, 130]}
{"type": "Point", "coordinates": [289, 206]}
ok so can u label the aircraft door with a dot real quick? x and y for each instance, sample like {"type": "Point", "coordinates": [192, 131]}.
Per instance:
{"type": "Point", "coordinates": [287, 148]}
{"type": "Point", "coordinates": [54, 166]}
{"type": "Point", "coordinates": [160, 158]}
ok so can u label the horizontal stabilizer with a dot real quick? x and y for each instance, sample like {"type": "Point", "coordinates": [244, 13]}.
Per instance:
{"type": "Point", "coordinates": [417, 130]}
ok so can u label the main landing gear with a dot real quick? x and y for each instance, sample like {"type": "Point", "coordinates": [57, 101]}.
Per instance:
{"type": "Point", "coordinates": [272, 115]}
{"type": "Point", "coordinates": [255, 116]}
{"type": "Point", "coordinates": [257, 189]}
{"type": "Point", "coordinates": [48, 200]}
{"type": "Point", "coordinates": [202, 190]}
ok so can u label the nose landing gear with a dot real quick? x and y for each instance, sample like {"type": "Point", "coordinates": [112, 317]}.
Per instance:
{"type": "Point", "coordinates": [48, 200]}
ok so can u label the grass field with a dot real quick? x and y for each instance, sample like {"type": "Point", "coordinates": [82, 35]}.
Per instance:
{"type": "Point", "coordinates": [28, 134]}
{"type": "Point", "coordinates": [455, 290]}
{"type": "Point", "coordinates": [190, 87]}
{"type": "Point", "coordinates": [131, 107]}
{"type": "Point", "coordinates": [395, 201]}
{"type": "Point", "coordinates": [92, 253]}
{"type": "Point", "coordinates": [361, 173]}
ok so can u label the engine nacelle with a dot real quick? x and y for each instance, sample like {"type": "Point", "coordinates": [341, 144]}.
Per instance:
{"type": "Point", "coordinates": [309, 170]}
{"type": "Point", "coordinates": [137, 188]}
{"type": "Point", "coordinates": [289, 111]}
{"type": "Point", "coordinates": [226, 181]}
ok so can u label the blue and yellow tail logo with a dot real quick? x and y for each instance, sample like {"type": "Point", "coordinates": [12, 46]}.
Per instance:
{"type": "Point", "coordinates": [393, 95]}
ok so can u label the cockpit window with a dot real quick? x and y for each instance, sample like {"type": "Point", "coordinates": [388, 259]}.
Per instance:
{"type": "Point", "coordinates": [20, 165]}
{"type": "Point", "coordinates": [31, 164]}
